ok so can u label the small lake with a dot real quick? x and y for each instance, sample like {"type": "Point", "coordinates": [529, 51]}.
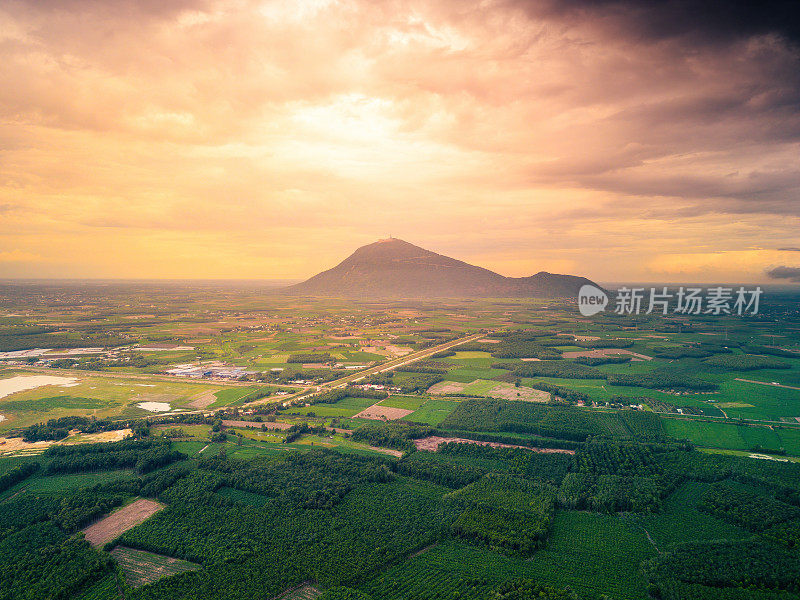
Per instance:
{"type": "Point", "coordinates": [20, 383]}
{"type": "Point", "coordinates": [154, 406]}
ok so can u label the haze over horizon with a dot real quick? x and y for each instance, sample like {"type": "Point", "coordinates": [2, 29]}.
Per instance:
{"type": "Point", "coordinates": [268, 140]}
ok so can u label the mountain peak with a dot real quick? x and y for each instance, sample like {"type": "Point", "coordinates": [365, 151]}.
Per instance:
{"type": "Point", "coordinates": [392, 267]}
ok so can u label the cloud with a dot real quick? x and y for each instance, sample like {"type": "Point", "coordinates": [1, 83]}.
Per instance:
{"type": "Point", "coordinates": [505, 132]}
{"type": "Point", "coordinates": [710, 21]}
{"type": "Point", "coordinates": [790, 273]}
{"type": "Point", "coordinates": [791, 249]}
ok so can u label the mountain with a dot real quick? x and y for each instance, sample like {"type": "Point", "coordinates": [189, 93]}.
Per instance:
{"type": "Point", "coordinates": [394, 268]}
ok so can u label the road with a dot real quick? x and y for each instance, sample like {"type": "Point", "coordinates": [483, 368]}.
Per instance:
{"type": "Point", "coordinates": [381, 368]}
{"type": "Point", "coordinates": [305, 391]}
{"type": "Point", "coordinates": [402, 361]}
{"type": "Point", "coordinates": [777, 385]}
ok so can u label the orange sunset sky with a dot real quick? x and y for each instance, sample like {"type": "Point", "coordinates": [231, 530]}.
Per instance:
{"type": "Point", "coordinates": [622, 141]}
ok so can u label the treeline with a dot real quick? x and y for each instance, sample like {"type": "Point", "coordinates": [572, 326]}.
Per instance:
{"type": "Point", "coordinates": [424, 366]}
{"type": "Point", "coordinates": [504, 512]}
{"type": "Point", "coordinates": [681, 352]}
{"type": "Point", "coordinates": [316, 479]}
{"type": "Point", "coordinates": [663, 379]}
{"type": "Point", "coordinates": [552, 368]}
{"type": "Point", "coordinates": [603, 343]}
{"type": "Point", "coordinates": [561, 422]}
{"type": "Point", "coordinates": [40, 557]}
{"type": "Point", "coordinates": [394, 434]}
{"type": "Point", "coordinates": [754, 349]}
{"type": "Point", "coordinates": [417, 383]}
{"type": "Point", "coordinates": [596, 361]}
{"type": "Point", "coordinates": [745, 509]}
{"type": "Point", "coordinates": [528, 589]}
{"type": "Point", "coordinates": [745, 362]}
{"type": "Point", "coordinates": [13, 476]}
{"type": "Point", "coordinates": [11, 342]}
{"type": "Point", "coordinates": [251, 551]}
{"type": "Point", "coordinates": [544, 466]}
{"type": "Point", "coordinates": [57, 429]}
{"type": "Point", "coordinates": [749, 564]}
{"type": "Point", "coordinates": [609, 493]}
{"type": "Point", "coordinates": [560, 392]}
{"type": "Point", "coordinates": [524, 348]}
{"type": "Point", "coordinates": [333, 396]}
{"type": "Point", "coordinates": [439, 469]}
{"type": "Point", "coordinates": [610, 477]}
{"type": "Point", "coordinates": [144, 456]}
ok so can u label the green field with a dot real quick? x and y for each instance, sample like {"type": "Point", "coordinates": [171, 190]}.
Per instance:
{"type": "Point", "coordinates": [433, 412]}
{"type": "Point", "coordinates": [405, 402]}
{"type": "Point", "coordinates": [719, 434]}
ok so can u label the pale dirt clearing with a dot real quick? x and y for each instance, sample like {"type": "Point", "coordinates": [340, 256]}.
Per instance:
{"type": "Point", "coordinates": [20, 383]}
{"type": "Point", "coordinates": [203, 400]}
{"type": "Point", "coordinates": [432, 444]}
{"type": "Point", "coordinates": [120, 521]}
{"type": "Point", "coordinates": [447, 387]}
{"type": "Point", "coordinates": [502, 390]}
{"type": "Point", "coordinates": [508, 391]}
{"type": "Point", "coordinates": [381, 413]}
{"type": "Point", "coordinates": [17, 445]}
{"type": "Point", "coordinates": [304, 591]}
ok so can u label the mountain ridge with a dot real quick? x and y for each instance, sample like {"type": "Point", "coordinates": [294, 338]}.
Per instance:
{"type": "Point", "coordinates": [396, 268]}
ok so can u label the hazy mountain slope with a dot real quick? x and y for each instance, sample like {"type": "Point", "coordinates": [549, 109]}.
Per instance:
{"type": "Point", "coordinates": [394, 268]}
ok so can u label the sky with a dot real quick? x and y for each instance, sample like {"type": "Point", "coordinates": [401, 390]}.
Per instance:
{"type": "Point", "coordinates": [614, 139]}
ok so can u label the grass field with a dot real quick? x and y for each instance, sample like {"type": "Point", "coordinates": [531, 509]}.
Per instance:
{"type": "Point", "coordinates": [732, 436]}
{"type": "Point", "coordinates": [469, 374]}
{"type": "Point", "coordinates": [433, 412]}
{"type": "Point", "coordinates": [405, 402]}
{"type": "Point", "coordinates": [481, 387]}
{"type": "Point", "coordinates": [346, 407]}
{"type": "Point", "coordinates": [96, 395]}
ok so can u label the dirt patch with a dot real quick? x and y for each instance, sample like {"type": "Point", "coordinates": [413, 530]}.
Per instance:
{"type": "Point", "coordinates": [17, 445]}
{"type": "Point", "coordinates": [600, 352]}
{"type": "Point", "coordinates": [389, 451]}
{"type": "Point", "coordinates": [203, 400]}
{"type": "Point", "coordinates": [382, 413]}
{"type": "Point", "coordinates": [525, 394]}
{"type": "Point", "coordinates": [432, 444]}
{"type": "Point", "coordinates": [120, 521]}
{"type": "Point", "coordinates": [305, 591]}
{"type": "Point", "coordinates": [447, 387]}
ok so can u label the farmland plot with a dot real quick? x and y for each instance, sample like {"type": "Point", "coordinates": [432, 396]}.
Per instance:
{"type": "Point", "coordinates": [141, 567]}
{"type": "Point", "coordinates": [120, 521]}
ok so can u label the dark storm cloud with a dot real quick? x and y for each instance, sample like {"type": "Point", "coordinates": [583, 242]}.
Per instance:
{"type": "Point", "coordinates": [711, 21]}
{"type": "Point", "coordinates": [790, 273]}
